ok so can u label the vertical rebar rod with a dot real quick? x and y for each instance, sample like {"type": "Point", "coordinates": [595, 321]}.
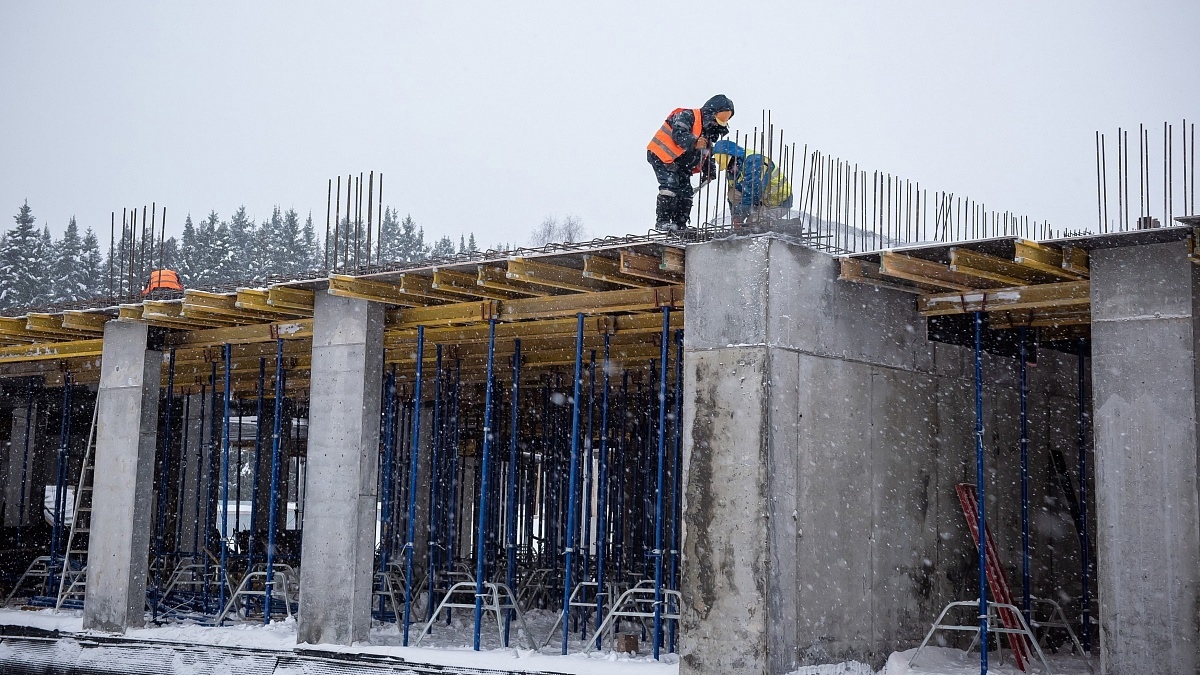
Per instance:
{"type": "Point", "coordinates": [337, 222]}
{"type": "Point", "coordinates": [273, 494]}
{"type": "Point", "coordinates": [379, 239]}
{"type": "Point", "coordinates": [981, 517]}
{"type": "Point", "coordinates": [415, 438]}
{"type": "Point", "coordinates": [370, 213]}
{"type": "Point", "coordinates": [658, 503]}
{"type": "Point", "coordinates": [573, 479]}
{"type": "Point", "coordinates": [1025, 579]}
{"type": "Point", "coordinates": [1084, 540]}
{"type": "Point", "coordinates": [510, 543]}
{"type": "Point", "coordinates": [328, 203]}
{"type": "Point", "coordinates": [485, 465]}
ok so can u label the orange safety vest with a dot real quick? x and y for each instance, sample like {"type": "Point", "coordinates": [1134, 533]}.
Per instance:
{"type": "Point", "coordinates": [664, 146]}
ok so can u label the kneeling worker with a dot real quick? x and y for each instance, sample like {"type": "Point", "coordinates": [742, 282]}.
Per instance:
{"type": "Point", "coordinates": [682, 147]}
{"type": "Point", "coordinates": [754, 184]}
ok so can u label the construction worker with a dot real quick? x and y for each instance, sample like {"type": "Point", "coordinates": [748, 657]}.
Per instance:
{"type": "Point", "coordinates": [754, 184]}
{"type": "Point", "coordinates": [682, 147]}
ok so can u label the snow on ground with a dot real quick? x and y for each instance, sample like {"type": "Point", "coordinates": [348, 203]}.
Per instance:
{"type": "Point", "coordinates": [451, 646]}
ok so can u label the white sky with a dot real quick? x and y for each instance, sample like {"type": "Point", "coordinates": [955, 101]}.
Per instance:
{"type": "Point", "coordinates": [488, 116]}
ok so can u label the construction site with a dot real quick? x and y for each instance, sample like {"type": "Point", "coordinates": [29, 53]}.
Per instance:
{"type": "Point", "coordinates": [750, 446]}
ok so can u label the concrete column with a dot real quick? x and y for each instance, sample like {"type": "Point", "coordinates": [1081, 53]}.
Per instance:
{"type": "Point", "coordinates": [195, 472]}
{"type": "Point", "coordinates": [126, 434]}
{"type": "Point", "coordinates": [1144, 339]}
{"type": "Point", "coordinates": [21, 455]}
{"type": "Point", "coordinates": [343, 463]}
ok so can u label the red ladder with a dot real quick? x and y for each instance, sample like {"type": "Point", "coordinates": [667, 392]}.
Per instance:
{"type": "Point", "coordinates": [997, 580]}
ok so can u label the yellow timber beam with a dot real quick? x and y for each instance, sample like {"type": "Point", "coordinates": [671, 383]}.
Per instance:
{"type": "Point", "coordinates": [929, 273]}
{"type": "Point", "coordinates": [1060, 295]}
{"type": "Point", "coordinates": [650, 267]}
{"type": "Point", "coordinates": [257, 300]}
{"type": "Point", "coordinates": [376, 291]}
{"type": "Point", "coordinates": [554, 276]}
{"type": "Point", "coordinates": [283, 298]}
{"type": "Point", "coordinates": [468, 285]}
{"type": "Point", "coordinates": [604, 302]}
{"type": "Point", "coordinates": [603, 268]}
{"type": "Point", "coordinates": [1044, 259]}
{"type": "Point", "coordinates": [867, 272]}
{"type": "Point", "coordinates": [443, 315]}
{"type": "Point", "coordinates": [81, 320]}
{"type": "Point", "coordinates": [51, 350]}
{"type": "Point", "coordinates": [617, 324]}
{"type": "Point", "coordinates": [497, 278]}
{"type": "Point", "coordinates": [999, 270]}
{"type": "Point", "coordinates": [269, 332]}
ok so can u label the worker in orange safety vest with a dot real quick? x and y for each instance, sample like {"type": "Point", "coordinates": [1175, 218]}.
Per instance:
{"type": "Point", "coordinates": [680, 148]}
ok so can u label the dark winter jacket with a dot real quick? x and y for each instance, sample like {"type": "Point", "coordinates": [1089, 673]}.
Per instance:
{"type": "Point", "coordinates": [681, 124]}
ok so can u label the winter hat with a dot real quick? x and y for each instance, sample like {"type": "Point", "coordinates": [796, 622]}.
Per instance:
{"type": "Point", "coordinates": [718, 103]}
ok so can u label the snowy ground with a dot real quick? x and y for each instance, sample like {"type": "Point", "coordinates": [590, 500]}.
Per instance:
{"type": "Point", "coordinates": [451, 646]}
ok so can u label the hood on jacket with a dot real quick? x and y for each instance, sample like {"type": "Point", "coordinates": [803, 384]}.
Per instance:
{"type": "Point", "coordinates": [716, 104]}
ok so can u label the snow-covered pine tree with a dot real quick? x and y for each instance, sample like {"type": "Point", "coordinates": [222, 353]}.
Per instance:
{"type": "Point", "coordinates": [444, 248]}
{"type": "Point", "coordinates": [70, 281]}
{"type": "Point", "coordinates": [44, 269]}
{"type": "Point", "coordinates": [92, 272]}
{"type": "Point", "coordinates": [19, 279]}
{"type": "Point", "coordinates": [293, 255]}
{"type": "Point", "coordinates": [224, 267]}
{"type": "Point", "coordinates": [187, 253]}
{"type": "Point", "coordinates": [312, 246]}
{"type": "Point", "coordinates": [242, 237]}
{"type": "Point", "coordinates": [388, 247]}
{"type": "Point", "coordinates": [472, 247]}
{"type": "Point", "coordinates": [412, 241]}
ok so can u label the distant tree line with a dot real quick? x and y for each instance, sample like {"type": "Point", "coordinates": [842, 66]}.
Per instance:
{"type": "Point", "coordinates": [38, 271]}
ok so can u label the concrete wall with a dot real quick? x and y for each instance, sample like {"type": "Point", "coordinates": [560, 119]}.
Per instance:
{"type": "Point", "coordinates": [1144, 332]}
{"type": "Point", "coordinates": [824, 435]}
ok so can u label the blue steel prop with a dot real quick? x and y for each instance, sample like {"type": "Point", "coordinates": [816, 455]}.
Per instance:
{"type": "Point", "coordinates": [587, 484]}
{"type": "Point", "coordinates": [1025, 577]}
{"type": "Point", "coordinates": [1085, 610]}
{"type": "Point", "coordinates": [385, 516]}
{"type": "Point", "coordinates": [979, 477]}
{"type": "Point", "coordinates": [412, 484]}
{"type": "Point", "coordinates": [228, 354]}
{"type": "Point", "coordinates": [573, 480]}
{"type": "Point", "coordinates": [452, 546]}
{"type": "Point", "coordinates": [273, 495]}
{"type": "Point", "coordinates": [164, 476]}
{"type": "Point", "coordinates": [480, 530]}
{"type": "Point", "coordinates": [510, 575]}
{"type": "Point", "coordinates": [602, 507]}
{"type": "Point", "coordinates": [210, 485]}
{"type": "Point", "coordinates": [658, 499]}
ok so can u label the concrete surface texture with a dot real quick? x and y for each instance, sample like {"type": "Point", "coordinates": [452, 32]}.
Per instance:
{"type": "Point", "coordinates": [343, 471]}
{"type": "Point", "coordinates": [126, 434]}
{"type": "Point", "coordinates": [824, 435]}
{"type": "Point", "coordinates": [1144, 303]}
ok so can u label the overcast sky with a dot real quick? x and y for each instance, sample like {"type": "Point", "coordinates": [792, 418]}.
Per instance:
{"type": "Point", "coordinates": [489, 116]}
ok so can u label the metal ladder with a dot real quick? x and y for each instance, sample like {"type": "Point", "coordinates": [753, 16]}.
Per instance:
{"type": "Point", "coordinates": [73, 581]}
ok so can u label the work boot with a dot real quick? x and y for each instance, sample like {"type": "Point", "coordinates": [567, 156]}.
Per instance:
{"type": "Point", "coordinates": [683, 212]}
{"type": "Point", "coordinates": [665, 211]}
